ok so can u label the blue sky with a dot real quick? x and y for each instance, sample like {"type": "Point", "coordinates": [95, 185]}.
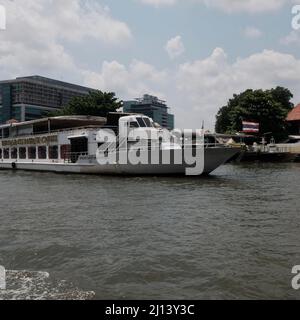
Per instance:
{"type": "Point", "coordinates": [202, 28]}
{"type": "Point", "coordinates": [195, 53]}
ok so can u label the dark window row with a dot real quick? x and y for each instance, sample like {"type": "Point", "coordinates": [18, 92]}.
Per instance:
{"type": "Point", "coordinates": [33, 153]}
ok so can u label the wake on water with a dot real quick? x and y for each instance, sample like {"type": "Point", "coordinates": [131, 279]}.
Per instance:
{"type": "Point", "coordinates": [27, 285]}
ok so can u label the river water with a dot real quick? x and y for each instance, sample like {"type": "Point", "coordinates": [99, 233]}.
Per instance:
{"type": "Point", "coordinates": [234, 235]}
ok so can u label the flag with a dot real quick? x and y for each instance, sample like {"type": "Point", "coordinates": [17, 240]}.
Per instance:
{"type": "Point", "coordinates": [250, 127]}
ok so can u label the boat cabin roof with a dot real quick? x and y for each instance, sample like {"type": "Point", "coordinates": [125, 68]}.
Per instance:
{"type": "Point", "coordinates": [57, 123]}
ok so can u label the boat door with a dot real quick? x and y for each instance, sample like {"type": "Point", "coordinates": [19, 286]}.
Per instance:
{"type": "Point", "coordinates": [79, 146]}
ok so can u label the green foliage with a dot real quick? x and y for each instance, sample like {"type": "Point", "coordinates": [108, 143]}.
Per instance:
{"type": "Point", "coordinates": [96, 103]}
{"type": "Point", "coordinates": [270, 108]}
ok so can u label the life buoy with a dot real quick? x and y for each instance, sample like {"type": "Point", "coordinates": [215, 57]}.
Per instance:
{"type": "Point", "coordinates": [14, 165]}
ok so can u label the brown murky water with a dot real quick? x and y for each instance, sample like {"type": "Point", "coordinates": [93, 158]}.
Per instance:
{"type": "Point", "coordinates": [232, 235]}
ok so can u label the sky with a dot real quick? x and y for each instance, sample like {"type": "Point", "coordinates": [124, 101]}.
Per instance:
{"type": "Point", "coordinates": [195, 54]}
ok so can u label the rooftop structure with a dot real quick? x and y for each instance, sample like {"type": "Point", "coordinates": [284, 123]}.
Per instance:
{"type": "Point", "coordinates": [152, 107]}
{"type": "Point", "coordinates": [294, 119]}
{"type": "Point", "coordinates": [294, 115]}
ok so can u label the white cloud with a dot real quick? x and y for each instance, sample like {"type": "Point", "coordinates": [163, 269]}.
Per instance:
{"type": "Point", "coordinates": [197, 89]}
{"type": "Point", "coordinates": [73, 20]}
{"type": "Point", "coordinates": [129, 82]}
{"type": "Point", "coordinates": [37, 33]}
{"type": "Point", "coordinates": [208, 84]}
{"type": "Point", "coordinates": [175, 47]}
{"type": "Point", "coordinates": [292, 38]}
{"type": "Point", "coordinates": [252, 32]}
{"type": "Point", "coordinates": [251, 6]}
{"type": "Point", "coordinates": [159, 3]}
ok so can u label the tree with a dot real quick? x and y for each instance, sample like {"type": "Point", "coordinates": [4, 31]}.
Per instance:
{"type": "Point", "coordinates": [96, 103]}
{"type": "Point", "coordinates": [270, 108]}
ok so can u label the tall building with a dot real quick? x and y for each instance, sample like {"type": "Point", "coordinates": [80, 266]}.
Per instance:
{"type": "Point", "coordinates": [152, 107]}
{"type": "Point", "coordinates": [30, 98]}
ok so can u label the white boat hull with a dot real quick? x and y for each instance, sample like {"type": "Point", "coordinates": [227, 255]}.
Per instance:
{"type": "Point", "coordinates": [214, 157]}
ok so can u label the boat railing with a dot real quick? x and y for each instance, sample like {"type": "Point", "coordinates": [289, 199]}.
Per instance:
{"type": "Point", "coordinates": [113, 146]}
{"type": "Point", "coordinates": [72, 157]}
{"type": "Point", "coordinates": [206, 145]}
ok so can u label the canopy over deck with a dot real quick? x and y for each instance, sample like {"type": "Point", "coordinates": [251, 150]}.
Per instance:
{"type": "Point", "coordinates": [57, 123]}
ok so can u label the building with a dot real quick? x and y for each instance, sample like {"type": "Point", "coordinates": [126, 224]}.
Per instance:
{"type": "Point", "coordinates": [294, 119]}
{"type": "Point", "coordinates": [30, 98]}
{"type": "Point", "coordinates": [152, 107]}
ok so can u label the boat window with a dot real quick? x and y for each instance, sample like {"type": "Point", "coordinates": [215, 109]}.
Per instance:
{"type": "Point", "coordinates": [148, 122]}
{"type": "Point", "coordinates": [6, 153]}
{"type": "Point", "coordinates": [53, 152]}
{"type": "Point", "coordinates": [42, 152]}
{"type": "Point", "coordinates": [32, 153]}
{"type": "Point", "coordinates": [141, 122]}
{"type": "Point", "coordinates": [133, 124]}
{"type": "Point", "coordinates": [22, 153]}
{"type": "Point", "coordinates": [0, 153]}
{"type": "Point", "coordinates": [14, 153]}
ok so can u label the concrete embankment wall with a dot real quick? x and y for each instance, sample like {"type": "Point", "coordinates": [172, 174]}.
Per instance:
{"type": "Point", "coordinates": [289, 148]}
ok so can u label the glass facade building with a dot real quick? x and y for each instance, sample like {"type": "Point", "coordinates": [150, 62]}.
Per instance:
{"type": "Point", "coordinates": [30, 98]}
{"type": "Point", "coordinates": [152, 107]}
